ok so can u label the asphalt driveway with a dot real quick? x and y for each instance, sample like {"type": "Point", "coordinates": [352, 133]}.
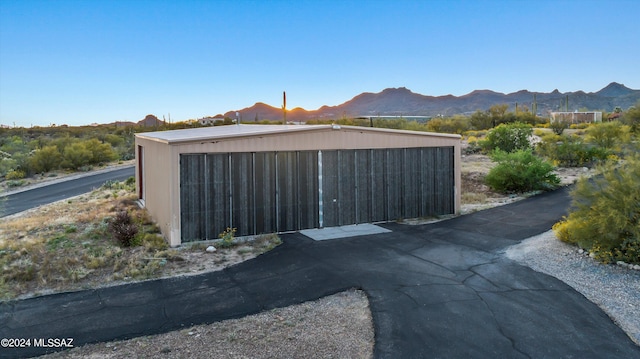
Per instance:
{"type": "Point", "coordinates": [443, 290]}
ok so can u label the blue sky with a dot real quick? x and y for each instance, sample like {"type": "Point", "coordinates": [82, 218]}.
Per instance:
{"type": "Point", "coordinates": [79, 62]}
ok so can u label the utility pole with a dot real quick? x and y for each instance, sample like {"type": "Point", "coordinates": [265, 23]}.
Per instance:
{"type": "Point", "coordinates": [284, 107]}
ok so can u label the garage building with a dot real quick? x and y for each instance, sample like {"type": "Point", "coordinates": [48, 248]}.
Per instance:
{"type": "Point", "coordinates": [195, 183]}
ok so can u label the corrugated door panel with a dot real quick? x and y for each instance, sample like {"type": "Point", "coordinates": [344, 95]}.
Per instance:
{"type": "Point", "coordinates": [287, 188]}
{"type": "Point", "coordinates": [347, 187]}
{"type": "Point", "coordinates": [242, 193]}
{"type": "Point", "coordinates": [393, 177]}
{"type": "Point", "coordinates": [265, 186]}
{"type": "Point", "coordinates": [192, 190]}
{"type": "Point", "coordinates": [219, 182]}
{"type": "Point", "coordinates": [444, 180]}
{"type": "Point", "coordinates": [308, 189]}
{"type": "Point", "coordinates": [427, 173]}
{"type": "Point", "coordinates": [330, 170]}
{"type": "Point", "coordinates": [363, 186]}
{"type": "Point", "coordinates": [411, 185]}
{"type": "Point", "coordinates": [378, 186]}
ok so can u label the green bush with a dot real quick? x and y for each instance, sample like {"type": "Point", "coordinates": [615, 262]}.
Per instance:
{"type": "Point", "coordinates": [16, 183]}
{"type": "Point", "coordinates": [520, 171]}
{"type": "Point", "coordinates": [100, 152]}
{"type": "Point", "coordinates": [83, 154]}
{"type": "Point", "coordinates": [7, 164]}
{"type": "Point", "coordinates": [570, 151]}
{"type": "Point", "coordinates": [508, 137]}
{"type": "Point", "coordinates": [76, 155]}
{"type": "Point", "coordinates": [46, 159]}
{"type": "Point", "coordinates": [605, 213]}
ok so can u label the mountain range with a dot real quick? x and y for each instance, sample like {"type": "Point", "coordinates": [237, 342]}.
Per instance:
{"type": "Point", "coordinates": [403, 102]}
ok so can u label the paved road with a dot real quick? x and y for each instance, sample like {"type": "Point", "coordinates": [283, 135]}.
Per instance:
{"type": "Point", "coordinates": [443, 290]}
{"type": "Point", "coordinates": [21, 201]}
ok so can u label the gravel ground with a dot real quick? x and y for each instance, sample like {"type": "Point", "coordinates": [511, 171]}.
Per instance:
{"type": "Point", "coordinates": [613, 288]}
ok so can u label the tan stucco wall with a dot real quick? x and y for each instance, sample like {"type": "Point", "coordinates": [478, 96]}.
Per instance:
{"type": "Point", "coordinates": [158, 179]}
{"type": "Point", "coordinates": [162, 160]}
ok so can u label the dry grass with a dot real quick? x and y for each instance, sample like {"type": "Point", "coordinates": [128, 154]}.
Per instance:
{"type": "Point", "coordinates": [67, 246]}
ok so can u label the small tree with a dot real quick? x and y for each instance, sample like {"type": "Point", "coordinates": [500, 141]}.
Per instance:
{"type": "Point", "coordinates": [558, 126]}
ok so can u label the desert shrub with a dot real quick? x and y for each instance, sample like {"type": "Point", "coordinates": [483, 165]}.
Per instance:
{"type": "Point", "coordinates": [114, 140]}
{"type": "Point", "coordinates": [7, 164]}
{"type": "Point", "coordinates": [227, 238]}
{"type": "Point", "coordinates": [15, 175]}
{"type": "Point", "coordinates": [76, 155]}
{"type": "Point", "coordinates": [508, 137]}
{"type": "Point", "coordinates": [570, 151]}
{"type": "Point", "coordinates": [123, 228]}
{"type": "Point", "coordinates": [154, 242]}
{"type": "Point", "coordinates": [579, 126]}
{"type": "Point", "coordinates": [100, 152]}
{"type": "Point", "coordinates": [558, 126]}
{"type": "Point", "coordinates": [16, 183]}
{"type": "Point", "coordinates": [131, 181]}
{"type": "Point", "coordinates": [82, 154]}
{"type": "Point", "coordinates": [46, 159]}
{"type": "Point", "coordinates": [604, 217]}
{"type": "Point", "coordinates": [539, 132]}
{"type": "Point", "coordinates": [608, 135]}
{"type": "Point", "coordinates": [473, 146]}
{"type": "Point", "coordinates": [632, 118]}
{"type": "Point", "coordinates": [520, 171]}
{"type": "Point", "coordinates": [456, 124]}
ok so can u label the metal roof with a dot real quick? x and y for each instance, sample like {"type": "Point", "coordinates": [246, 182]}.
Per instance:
{"type": "Point", "coordinates": [243, 130]}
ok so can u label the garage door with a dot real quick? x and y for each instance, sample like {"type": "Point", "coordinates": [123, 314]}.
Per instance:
{"type": "Point", "coordinates": [255, 193]}
{"type": "Point", "coordinates": [269, 192]}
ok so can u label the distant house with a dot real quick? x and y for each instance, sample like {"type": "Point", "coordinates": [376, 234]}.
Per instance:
{"type": "Point", "coordinates": [210, 121]}
{"type": "Point", "coordinates": [576, 117]}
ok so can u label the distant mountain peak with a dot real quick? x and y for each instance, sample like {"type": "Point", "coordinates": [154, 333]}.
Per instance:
{"type": "Point", "coordinates": [614, 89]}
{"type": "Point", "coordinates": [400, 101]}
